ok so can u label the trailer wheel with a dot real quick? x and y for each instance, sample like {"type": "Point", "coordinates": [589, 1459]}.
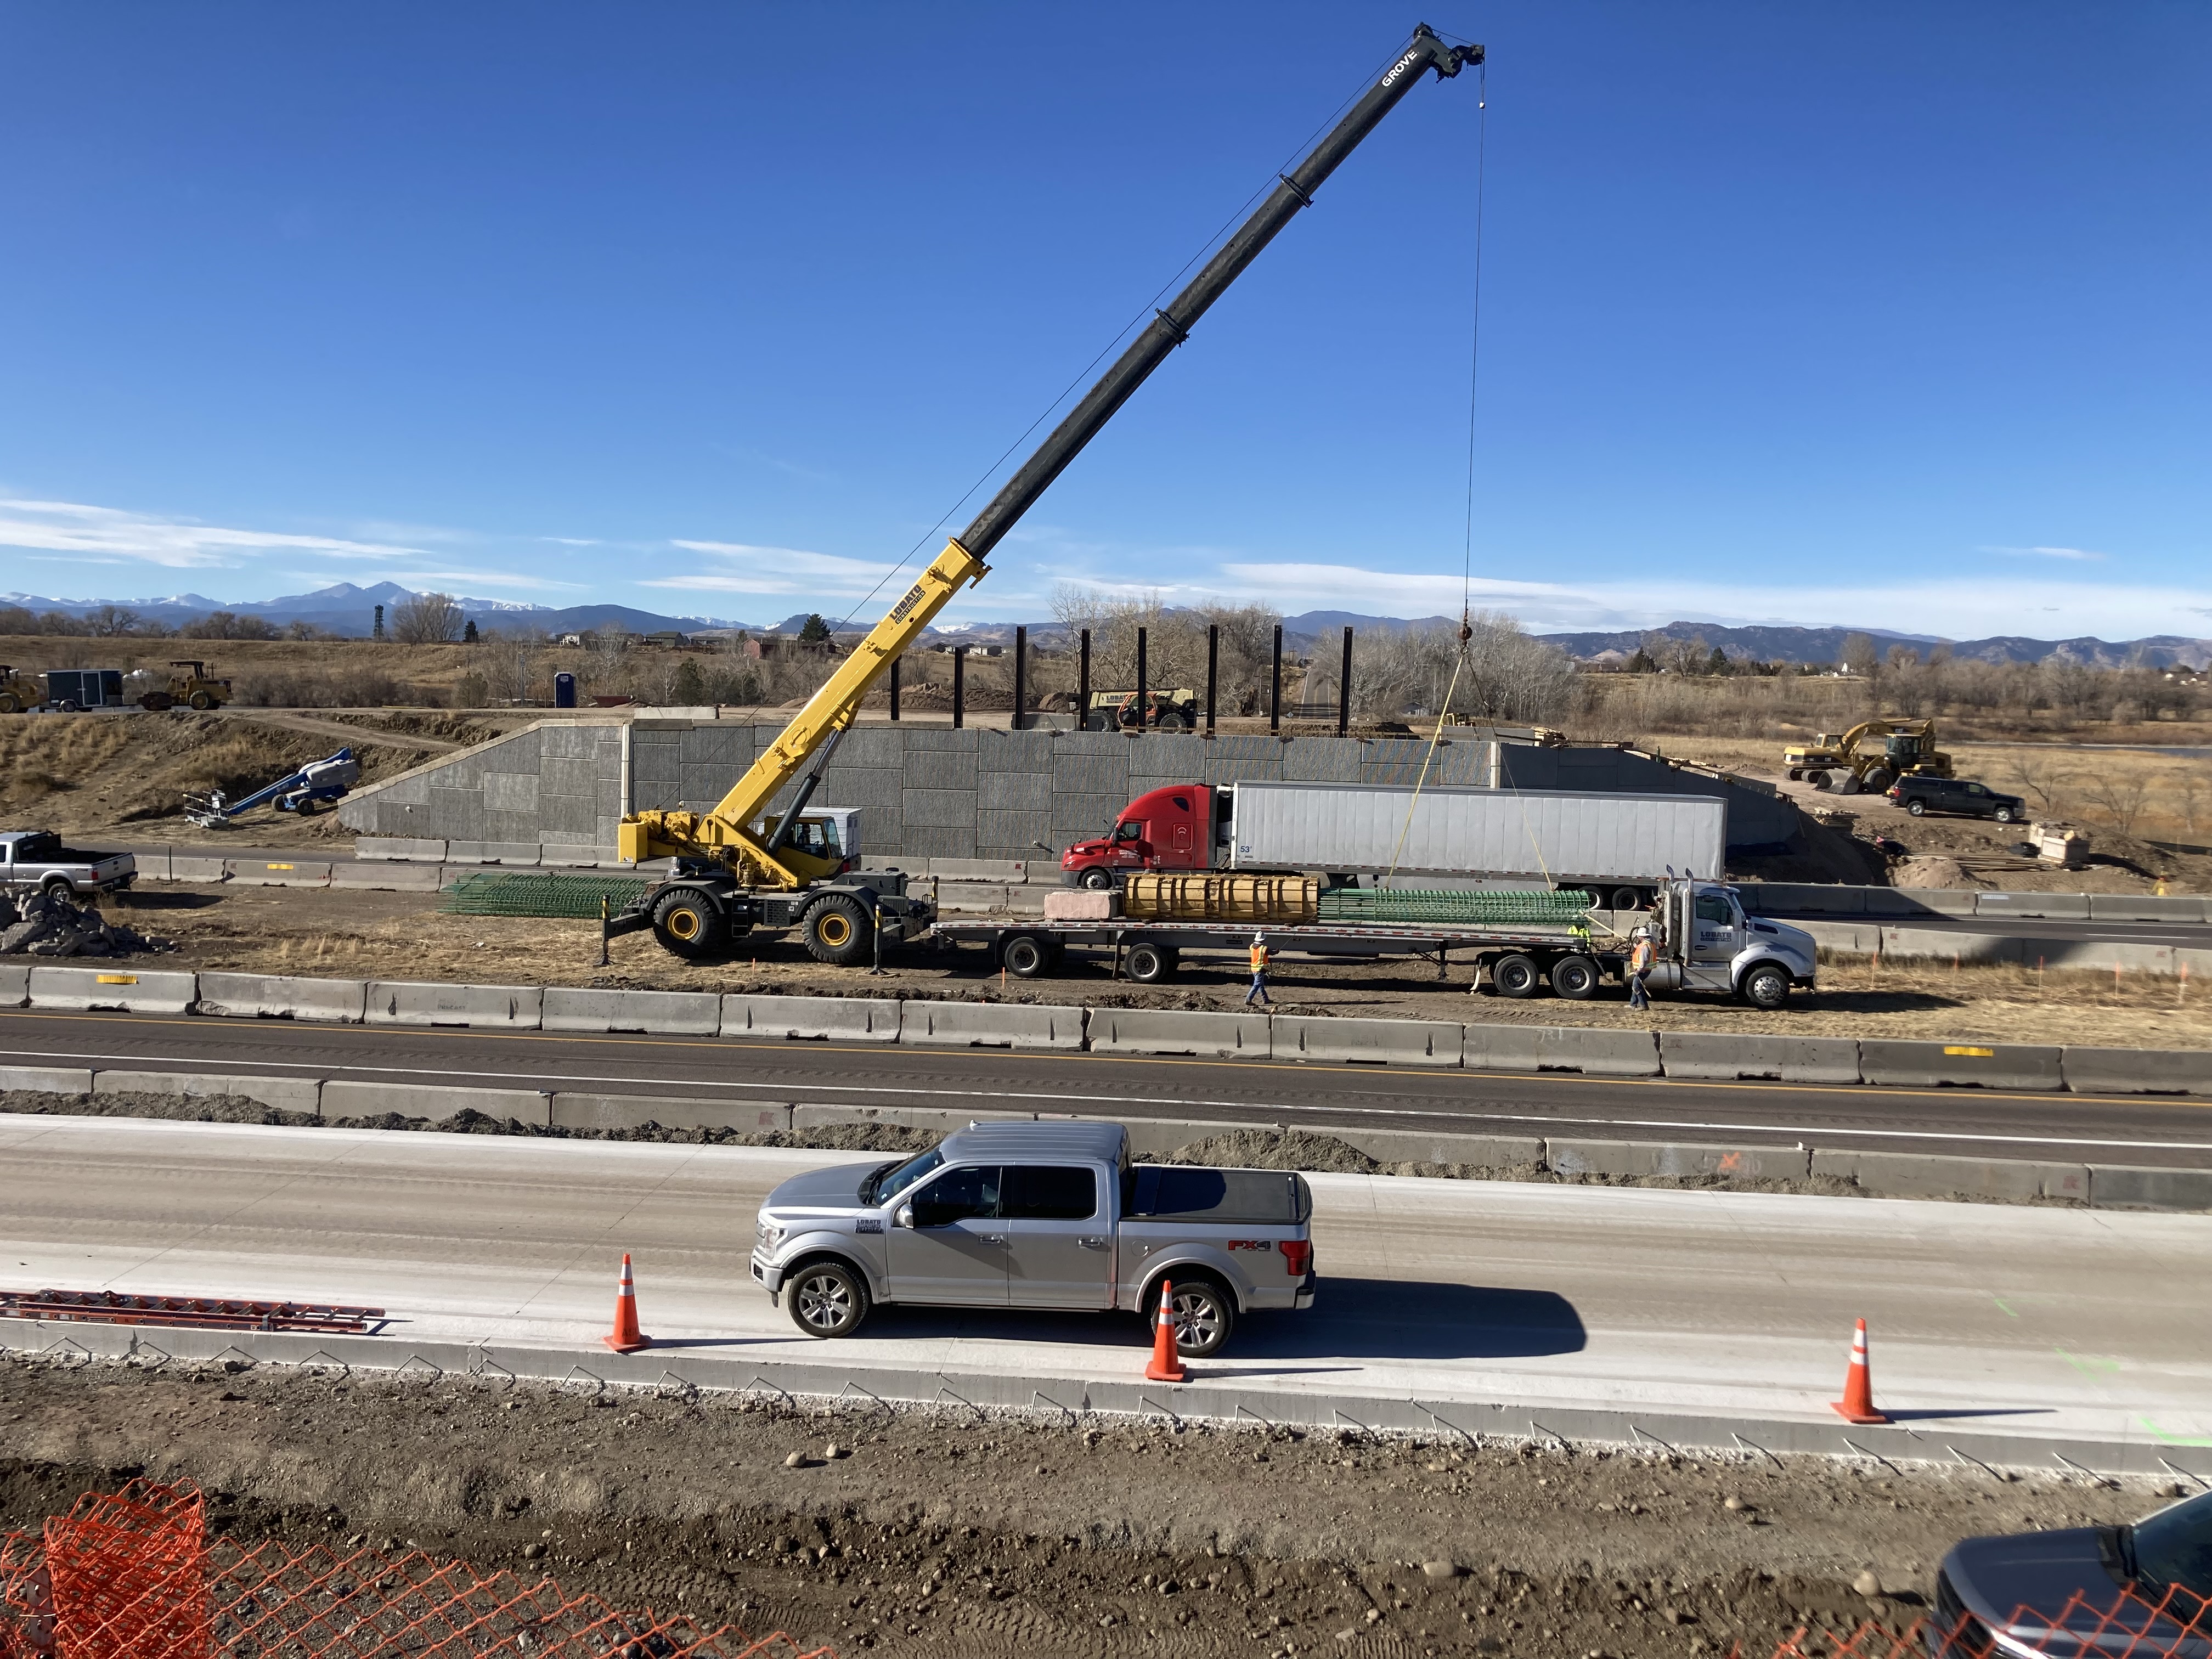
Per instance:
{"type": "Point", "coordinates": [1149, 964]}
{"type": "Point", "coordinates": [1097, 879]}
{"type": "Point", "coordinates": [70, 706]}
{"type": "Point", "coordinates": [1765, 987]}
{"type": "Point", "coordinates": [834, 930]}
{"type": "Point", "coordinates": [1026, 957]}
{"type": "Point", "coordinates": [1627, 898]}
{"type": "Point", "coordinates": [686, 924]}
{"type": "Point", "coordinates": [1514, 975]}
{"type": "Point", "coordinates": [1575, 978]}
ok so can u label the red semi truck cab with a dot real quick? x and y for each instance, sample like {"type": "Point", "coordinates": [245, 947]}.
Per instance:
{"type": "Point", "coordinates": [1175, 828]}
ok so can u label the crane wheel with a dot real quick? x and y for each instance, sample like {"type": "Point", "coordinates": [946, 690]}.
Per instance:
{"type": "Point", "coordinates": [836, 930]}
{"type": "Point", "coordinates": [688, 924]}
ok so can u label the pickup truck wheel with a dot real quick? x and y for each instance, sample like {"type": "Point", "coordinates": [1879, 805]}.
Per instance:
{"type": "Point", "coordinates": [1148, 964]}
{"type": "Point", "coordinates": [2004, 815]}
{"type": "Point", "coordinates": [58, 887]}
{"type": "Point", "coordinates": [1205, 1315]}
{"type": "Point", "coordinates": [826, 1299]}
{"type": "Point", "coordinates": [1514, 975]}
{"type": "Point", "coordinates": [1765, 987]}
{"type": "Point", "coordinates": [1917, 808]}
{"type": "Point", "coordinates": [834, 930]}
{"type": "Point", "coordinates": [1575, 978]}
{"type": "Point", "coordinates": [1097, 879]}
{"type": "Point", "coordinates": [686, 924]}
{"type": "Point", "coordinates": [1025, 956]}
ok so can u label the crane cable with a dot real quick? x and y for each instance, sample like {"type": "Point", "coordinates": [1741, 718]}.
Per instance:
{"type": "Point", "coordinates": [1466, 550]}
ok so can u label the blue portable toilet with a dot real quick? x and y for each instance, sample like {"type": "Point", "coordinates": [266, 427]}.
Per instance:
{"type": "Point", "coordinates": [564, 690]}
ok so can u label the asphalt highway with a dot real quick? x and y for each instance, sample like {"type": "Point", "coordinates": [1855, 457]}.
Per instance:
{"type": "Point", "coordinates": [1988, 1318]}
{"type": "Point", "coordinates": [2193, 935]}
{"type": "Point", "coordinates": [2069, 1127]}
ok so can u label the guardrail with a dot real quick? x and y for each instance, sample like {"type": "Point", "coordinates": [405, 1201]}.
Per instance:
{"type": "Point", "coordinates": [1891, 1175]}
{"type": "Point", "coordinates": [1596, 1051]}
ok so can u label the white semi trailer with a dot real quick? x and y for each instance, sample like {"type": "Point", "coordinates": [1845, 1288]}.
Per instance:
{"type": "Point", "coordinates": [1618, 848]}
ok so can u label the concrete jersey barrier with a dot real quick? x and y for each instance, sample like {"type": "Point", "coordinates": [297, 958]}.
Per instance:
{"type": "Point", "coordinates": [429, 1002]}
{"type": "Point", "coordinates": [265, 996]}
{"type": "Point", "coordinates": [669, 1013]}
{"type": "Point", "coordinates": [1173, 1031]}
{"type": "Point", "coordinates": [1561, 1048]}
{"type": "Point", "coordinates": [839, 1019]}
{"type": "Point", "coordinates": [1913, 1065]}
{"type": "Point", "coordinates": [1729, 1057]}
{"type": "Point", "coordinates": [1390, 1042]}
{"type": "Point", "coordinates": [991, 1025]}
{"type": "Point", "coordinates": [127, 989]}
{"type": "Point", "coordinates": [290, 1094]}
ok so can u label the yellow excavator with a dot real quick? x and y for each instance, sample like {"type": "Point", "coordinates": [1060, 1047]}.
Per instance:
{"type": "Point", "coordinates": [742, 867]}
{"type": "Point", "coordinates": [1869, 757]}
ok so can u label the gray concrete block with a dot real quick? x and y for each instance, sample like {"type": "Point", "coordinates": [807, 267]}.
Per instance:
{"type": "Point", "coordinates": [1561, 1048]}
{"type": "Point", "coordinates": [2063, 907]}
{"type": "Point", "coordinates": [433, 1101]}
{"type": "Point", "coordinates": [2123, 1186]}
{"type": "Point", "coordinates": [1417, 1146]}
{"type": "Point", "coordinates": [1902, 1064]}
{"type": "Point", "coordinates": [389, 877]}
{"type": "Point", "coordinates": [1913, 1174]}
{"type": "Point", "coordinates": [938, 809]}
{"type": "Point", "coordinates": [2137, 1071]}
{"type": "Point", "coordinates": [87, 988]}
{"type": "Point", "coordinates": [1943, 945]}
{"type": "Point", "coordinates": [991, 1025]}
{"type": "Point", "coordinates": [674, 1013]}
{"type": "Point", "coordinates": [14, 984]}
{"type": "Point", "coordinates": [1919, 902]}
{"type": "Point", "coordinates": [398, 846]}
{"type": "Point", "coordinates": [493, 852]}
{"type": "Point", "coordinates": [1390, 1041]}
{"type": "Point", "coordinates": [404, 1002]}
{"type": "Point", "coordinates": [1785, 1059]}
{"type": "Point", "coordinates": [839, 1019]}
{"type": "Point", "coordinates": [1576, 1155]}
{"type": "Point", "coordinates": [510, 792]}
{"type": "Point", "coordinates": [941, 769]}
{"type": "Point", "coordinates": [1018, 832]}
{"type": "Point", "coordinates": [1170, 1031]}
{"type": "Point", "coordinates": [288, 1094]}
{"type": "Point", "coordinates": [278, 872]}
{"type": "Point", "coordinates": [1009, 871]}
{"type": "Point", "coordinates": [970, 897]}
{"type": "Point", "coordinates": [944, 1121]}
{"type": "Point", "coordinates": [47, 1079]}
{"type": "Point", "coordinates": [947, 841]}
{"type": "Point", "coordinates": [597, 1111]}
{"type": "Point", "coordinates": [2150, 907]}
{"type": "Point", "coordinates": [207, 871]}
{"type": "Point", "coordinates": [265, 996]}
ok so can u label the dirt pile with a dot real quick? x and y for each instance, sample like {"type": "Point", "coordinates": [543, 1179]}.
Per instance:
{"type": "Point", "coordinates": [1932, 871]}
{"type": "Point", "coordinates": [48, 925]}
{"type": "Point", "coordinates": [926, 1534]}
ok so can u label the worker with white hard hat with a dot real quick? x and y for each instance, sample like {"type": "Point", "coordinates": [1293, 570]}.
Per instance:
{"type": "Point", "coordinates": [1641, 958]}
{"type": "Point", "coordinates": [1259, 991]}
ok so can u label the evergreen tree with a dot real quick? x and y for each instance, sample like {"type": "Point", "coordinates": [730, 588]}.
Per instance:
{"type": "Point", "coordinates": [814, 631]}
{"type": "Point", "coordinates": [469, 633]}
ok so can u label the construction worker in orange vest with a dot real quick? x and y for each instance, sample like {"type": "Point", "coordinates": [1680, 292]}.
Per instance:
{"type": "Point", "coordinates": [1259, 991]}
{"type": "Point", "coordinates": [1641, 958]}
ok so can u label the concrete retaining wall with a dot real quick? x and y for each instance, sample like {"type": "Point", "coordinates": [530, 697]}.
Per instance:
{"type": "Point", "coordinates": [971, 802]}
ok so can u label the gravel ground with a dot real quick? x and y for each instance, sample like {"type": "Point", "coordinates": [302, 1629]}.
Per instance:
{"type": "Point", "coordinates": [352, 934]}
{"type": "Point", "coordinates": [934, 1533]}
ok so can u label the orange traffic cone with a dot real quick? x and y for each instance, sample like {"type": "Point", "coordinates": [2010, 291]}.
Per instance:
{"type": "Point", "coordinates": [1857, 1404]}
{"type": "Point", "coordinates": [1167, 1363]}
{"type": "Point", "coordinates": [625, 1338]}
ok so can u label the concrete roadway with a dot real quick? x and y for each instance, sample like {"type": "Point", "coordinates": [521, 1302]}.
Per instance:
{"type": "Point", "coordinates": [2192, 935]}
{"type": "Point", "coordinates": [1985, 1318]}
{"type": "Point", "coordinates": [2067, 1127]}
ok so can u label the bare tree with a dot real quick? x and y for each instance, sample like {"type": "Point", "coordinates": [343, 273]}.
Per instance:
{"type": "Point", "coordinates": [2119, 798]}
{"type": "Point", "coordinates": [1856, 655]}
{"type": "Point", "coordinates": [427, 619]}
{"type": "Point", "coordinates": [112, 620]}
{"type": "Point", "coordinates": [2041, 781]}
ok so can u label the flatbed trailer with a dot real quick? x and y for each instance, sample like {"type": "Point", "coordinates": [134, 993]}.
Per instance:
{"type": "Point", "coordinates": [1149, 952]}
{"type": "Point", "coordinates": [1702, 939]}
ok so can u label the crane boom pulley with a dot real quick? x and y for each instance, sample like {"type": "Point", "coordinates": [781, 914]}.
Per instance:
{"type": "Point", "coordinates": [729, 857]}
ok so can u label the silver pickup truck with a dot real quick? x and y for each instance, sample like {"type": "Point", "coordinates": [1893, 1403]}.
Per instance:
{"type": "Point", "coordinates": [36, 858]}
{"type": "Point", "coordinates": [1037, 1215]}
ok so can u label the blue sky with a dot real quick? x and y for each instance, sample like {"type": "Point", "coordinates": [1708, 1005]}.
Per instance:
{"type": "Point", "coordinates": [1878, 315]}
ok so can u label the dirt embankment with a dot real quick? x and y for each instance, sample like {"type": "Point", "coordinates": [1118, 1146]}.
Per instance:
{"type": "Point", "coordinates": [949, 1533]}
{"type": "Point", "coordinates": [349, 933]}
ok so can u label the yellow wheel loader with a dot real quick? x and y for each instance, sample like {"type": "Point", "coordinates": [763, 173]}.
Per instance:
{"type": "Point", "coordinates": [1869, 757]}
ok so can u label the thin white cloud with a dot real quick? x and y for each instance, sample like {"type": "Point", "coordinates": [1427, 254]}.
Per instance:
{"type": "Point", "coordinates": [771, 570]}
{"type": "Point", "coordinates": [2080, 554]}
{"type": "Point", "coordinates": [107, 534]}
{"type": "Point", "coordinates": [445, 581]}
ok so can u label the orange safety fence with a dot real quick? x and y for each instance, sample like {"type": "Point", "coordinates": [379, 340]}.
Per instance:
{"type": "Point", "coordinates": [2135, 1621]}
{"type": "Point", "coordinates": [132, 1575]}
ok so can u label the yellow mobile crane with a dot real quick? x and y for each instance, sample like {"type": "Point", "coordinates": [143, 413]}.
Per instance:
{"type": "Point", "coordinates": [740, 867]}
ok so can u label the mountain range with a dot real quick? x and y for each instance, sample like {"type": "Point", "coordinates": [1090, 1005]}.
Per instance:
{"type": "Point", "coordinates": [347, 610]}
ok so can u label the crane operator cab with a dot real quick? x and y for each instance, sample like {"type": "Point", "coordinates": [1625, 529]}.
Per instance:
{"type": "Point", "coordinates": [832, 833]}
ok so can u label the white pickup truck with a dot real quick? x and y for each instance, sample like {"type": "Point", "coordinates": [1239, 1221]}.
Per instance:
{"type": "Point", "coordinates": [36, 858]}
{"type": "Point", "coordinates": [1037, 1215]}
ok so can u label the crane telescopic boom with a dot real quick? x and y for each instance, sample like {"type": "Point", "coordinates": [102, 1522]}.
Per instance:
{"type": "Point", "coordinates": [732, 834]}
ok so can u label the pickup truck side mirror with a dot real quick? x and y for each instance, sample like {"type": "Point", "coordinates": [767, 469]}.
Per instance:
{"type": "Point", "coordinates": [903, 1217]}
